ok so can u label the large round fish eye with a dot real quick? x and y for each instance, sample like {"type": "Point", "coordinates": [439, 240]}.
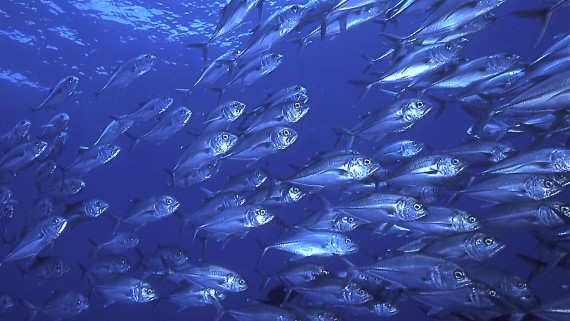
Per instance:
{"type": "Point", "coordinates": [78, 302]}
{"type": "Point", "coordinates": [295, 190]}
{"type": "Point", "coordinates": [361, 292]}
{"type": "Point", "coordinates": [165, 98]}
{"type": "Point", "coordinates": [448, 46]}
{"type": "Point", "coordinates": [132, 238]}
{"type": "Point", "coordinates": [236, 196]}
{"type": "Point", "coordinates": [297, 105]}
{"type": "Point", "coordinates": [147, 57]}
{"type": "Point", "coordinates": [420, 104]}
{"type": "Point", "coordinates": [168, 201]}
{"type": "Point", "coordinates": [258, 174]}
{"type": "Point", "coordinates": [417, 206]}
{"type": "Point", "coordinates": [98, 204]}
{"type": "Point", "coordinates": [565, 209]}
{"type": "Point", "coordinates": [472, 219]}
{"type": "Point", "coordinates": [347, 240]}
{"type": "Point", "coordinates": [149, 291]}
{"type": "Point", "coordinates": [548, 183]}
{"type": "Point", "coordinates": [367, 162]}
{"type": "Point", "coordinates": [274, 56]}
{"type": "Point", "coordinates": [110, 147]}
{"type": "Point", "coordinates": [225, 136]}
{"type": "Point", "coordinates": [122, 261]}
{"type": "Point", "coordinates": [180, 253]}
{"type": "Point", "coordinates": [455, 161]}
{"type": "Point", "coordinates": [54, 221]}
{"type": "Point", "coordinates": [286, 132]}
{"type": "Point", "coordinates": [262, 211]}
{"type": "Point", "coordinates": [458, 275]}
{"type": "Point", "coordinates": [350, 219]}
{"type": "Point", "coordinates": [488, 241]}
{"type": "Point", "coordinates": [70, 80]}
{"type": "Point", "coordinates": [242, 281]}
{"type": "Point", "coordinates": [492, 293]}
{"type": "Point", "coordinates": [508, 56]}
{"type": "Point", "coordinates": [294, 8]}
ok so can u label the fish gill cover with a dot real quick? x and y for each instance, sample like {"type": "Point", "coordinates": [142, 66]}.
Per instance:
{"type": "Point", "coordinates": [273, 160]}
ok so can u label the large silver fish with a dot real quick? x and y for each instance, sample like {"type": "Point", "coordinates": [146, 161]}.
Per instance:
{"type": "Point", "coordinates": [129, 72]}
{"type": "Point", "coordinates": [58, 94]}
{"type": "Point", "coordinates": [125, 289]}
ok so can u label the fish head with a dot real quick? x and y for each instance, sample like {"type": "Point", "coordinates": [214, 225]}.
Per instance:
{"type": "Point", "coordinates": [294, 111]}
{"type": "Point", "coordinates": [181, 116]}
{"type": "Point", "coordinates": [74, 185]}
{"type": "Point", "coordinates": [448, 52]}
{"type": "Point", "coordinates": [7, 211]}
{"type": "Point", "coordinates": [58, 268]}
{"type": "Point", "coordinates": [60, 120]}
{"type": "Point", "coordinates": [431, 194]}
{"type": "Point", "coordinates": [343, 245]}
{"type": "Point", "coordinates": [44, 207]}
{"type": "Point", "coordinates": [69, 84]}
{"type": "Point", "coordinates": [290, 16]}
{"type": "Point", "coordinates": [130, 240]}
{"type": "Point", "coordinates": [353, 293]}
{"type": "Point", "coordinates": [415, 109]}
{"type": "Point", "coordinates": [222, 142]}
{"type": "Point", "coordinates": [409, 209]}
{"type": "Point", "coordinates": [515, 287]}
{"type": "Point", "coordinates": [326, 316]}
{"type": "Point", "coordinates": [35, 147]}
{"type": "Point", "coordinates": [462, 221]}
{"type": "Point", "coordinates": [143, 292]}
{"type": "Point", "coordinates": [96, 207]}
{"type": "Point", "coordinates": [448, 276]}
{"type": "Point", "coordinates": [501, 152]}
{"type": "Point", "coordinates": [163, 103]}
{"type": "Point", "coordinates": [293, 194]}
{"type": "Point", "coordinates": [166, 205]}
{"type": "Point", "coordinates": [258, 216]}
{"type": "Point", "coordinates": [235, 283]}
{"type": "Point", "coordinates": [177, 256]}
{"type": "Point", "coordinates": [6, 303]}
{"type": "Point", "coordinates": [272, 61]}
{"type": "Point", "coordinates": [553, 213]}
{"type": "Point", "coordinates": [539, 187]}
{"type": "Point", "coordinates": [410, 148]}
{"type": "Point", "coordinates": [208, 170]}
{"type": "Point", "coordinates": [481, 246]}
{"type": "Point", "coordinates": [282, 137]}
{"type": "Point", "coordinates": [450, 166]}
{"type": "Point", "coordinates": [22, 129]}
{"type": "Point", "coordinates": [492, 130]}
{"type": "Point", "coordinates": [257, 178]}
{"type": "Point", "coordinates": [107, 152]}
{"type": "Point", "coordinates": [361, 167]}
{"type": "Point", "coordinates": [143, 63]}
{"type": "Point", "coordinates": [318, 271]}
{"type": "Point", "coordinates": [233, 110]}
{"type": "Point", "coordinates": [385, 309]}
{"type": "Point", "coordinates": [53, 226]}
{"type": "Point", "coordinates": [503, 61]}
{"type": "Point", "coordinates": [233, 199]}
{"type": "Point", "coordinates": [482, 295]}
{"type": "Point", "coordinates": [560, 160]}
{"type": "Point", "coordinates": [562, 179]}
{"type": "Point", "coordinates": [121, 264]}
{"type": "Point", "coordinates": [76, 302]}
{"type": "Point", "coordinates": [345, 223]}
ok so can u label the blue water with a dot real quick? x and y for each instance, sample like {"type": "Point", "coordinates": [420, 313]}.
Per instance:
{"type": "Point", "coordinates": [43, 41]}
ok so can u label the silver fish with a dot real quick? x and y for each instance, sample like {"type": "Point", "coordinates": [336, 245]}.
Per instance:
{"type": "Point", "coordinates": [129, 72]}
{"type": "Point", "coordinates": [58, 94]}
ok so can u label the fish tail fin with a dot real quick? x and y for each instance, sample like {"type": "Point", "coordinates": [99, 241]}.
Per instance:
{"type": "Point", "coordinates": [96, 246]}
{"type": "Point", "coordinates": [265, 278]}
{"type": "Point", "coordinates": [203, 46]}
{"type": "Point", "coordinates": [542, 14]}
{"type": "Point", "coordinates": [141, 258]}
{"type": "Point", "coordinates": [219, 313]}
{"type": "Point", "coordinates": [264, 248]}
{"type": "Point", "coordinates": [136, 140]}
{"type": "Point", "coordinates": [186, 91]}
{"type": "Point", "coordinates": [345, 137]}
{"type": "Point", "coordinates": [364, 88]}
{"type": "Point", "coordinates": [170, 173]}
{"type": "Point", "coordinates": [440, 103]}
{"type": "Point", "coordinates": [116, 222]}
{"type": "Point", "coordinates": [98, 95]}
{"type": "Point", "coordinates": [538, 266]}
{"type": "Point", "coordinates": [32, 309]}
{"type": "Point", "coordinates": [301, 43]}
{"type": "Point", "coordinates": [22, 273]}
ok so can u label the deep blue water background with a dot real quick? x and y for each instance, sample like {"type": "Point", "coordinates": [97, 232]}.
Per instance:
{"type": "Point", "coordinates": [41, 42]}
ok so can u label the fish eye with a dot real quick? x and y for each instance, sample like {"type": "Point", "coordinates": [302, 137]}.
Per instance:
{"type": "Point", "coordinates": [286, 132]}
{"type": "Point", "coordinates": [132, 238]}
{"type": "Point", "coordinates": [488, 241]}
{"type": "Point", "coordinates": [54, 221]}
{"type": "Point", "coordinates": [472, 219]}
{"type": "Point", "coordinates": [149, 291]}
{"type": "Point", "coordinates": [242, 281]}
{"type": "Point", "coordinates": [225, 136]}
{"type": "Point", "coordinates": [420, 104]}
{"type": "Point", "coordinates": [180, 253]}
{"type": "Point", "coordinates": [361, 292]}
{"type": "Point", "coordinates": [78, 302]}
{"type": "Point", "coordinates": [492, 293]}
{"type": "Point", "coordinates": [297, 105]}
{"type": "Point", "coordinates": [236, 196]}
{"type": "Point", "coordinates": [165, 98]}
{"type": "Point", "coordinates": [565, 209]}
{"type": "Point", "coordinates": [455, 161]}
{"type": "Point", "coordinates": [122, 261]}
{"type": "Point", "coordinates": [367, 162]}
{"type": "Point", "coordinates": [38, 143]}
{"type": "Point", "coordinates": [458, 275]}
{"type": "Point", "coordinates": [350, 219]}
{"type": "Point", "coordinates": [110, 147]}
{"type": "Point", "coordinates": [98, 204]}
{"type": "Point", "coordinates": [168, 201]}
{"type": "Point", "coordinates": [70, 80]}
{"type": "Point", "coordinates": [508, 56]}
{"type": "Point", "coordinates": [262, 211]}
{"type": "Point", "coordinates": [548, 183]}
{"type": "Point", "coordinates": [274, 56]}
{"type": "Point", "coordinates": [347, 240]}
{"type": "Point", "coordinates": [417, 206]}
{"type": "Point", "coordinates": [294, 8]}
{"type": "Point", "coordinates": [147, 57]}
{"type": "Point", "coordinates": [258, 174]}
{"type": "Point", "coordinates": [295, 190]}
{"type": "Point", "coordinates": [298, 96]}
{"type": "Point", "coordinates": [448, 46]}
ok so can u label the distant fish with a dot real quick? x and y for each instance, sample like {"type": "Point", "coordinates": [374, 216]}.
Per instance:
{"type": "Point", "coordinates": [58, 94]}
{"type": "Point", "coordinates": [61, 306]}
{"type": "Point", "coordinates": [126, 290]}
{"type": "Point", "coordinates": [129, 72]}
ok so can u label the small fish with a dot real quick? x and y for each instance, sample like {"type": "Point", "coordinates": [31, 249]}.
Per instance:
{"type": "Point", "coordinates": [56, 125]}
{"type": "Point", "coordinates": [541, 161]}
{"type": "Point", "coordinates": [150, 109]}
{"type": "Point", "coordinates": [129, 72]}
{"type": "Point", "coordinates": [126, 289]}
{"type": "Point", "coordinates": [143, 211]}
{"type": "Point", "coordinates": [105, 267]}
{"type": "Point", "coordinates": [94, 157]}
{"type": "Point", "coordinates": [120, 242]}
{"type": "Point", "coordinates": [46, 268]}
{"type": "Point", "coordinates": [195, 296]}
{"type": "Point", "coordinates": [211, 276]}
{"type": "Point", "coordinates": [18, 135]}
{"type": "Point", "coordinates": [61, 306]}
{"type": "Point", "coordinates": [223, 115]}
{"type": "Point", "coordinates": [431, 169]}
{"type": "Point", "coordinates": [37, 238]}
{"type": "Point", "coordinates": [58, 94]}
{"type": "Point", "coordinates": [22, 156]}
{"type": "Point", "coordinates": [167, 126]}
{"type": "Point", "coordinates": [334, 291]}
{"type": "Point", "coordinates": [263, 143]}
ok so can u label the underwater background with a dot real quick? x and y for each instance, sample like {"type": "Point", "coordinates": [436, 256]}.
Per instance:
{"type": "Point", "coordinates": [44, 41]}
